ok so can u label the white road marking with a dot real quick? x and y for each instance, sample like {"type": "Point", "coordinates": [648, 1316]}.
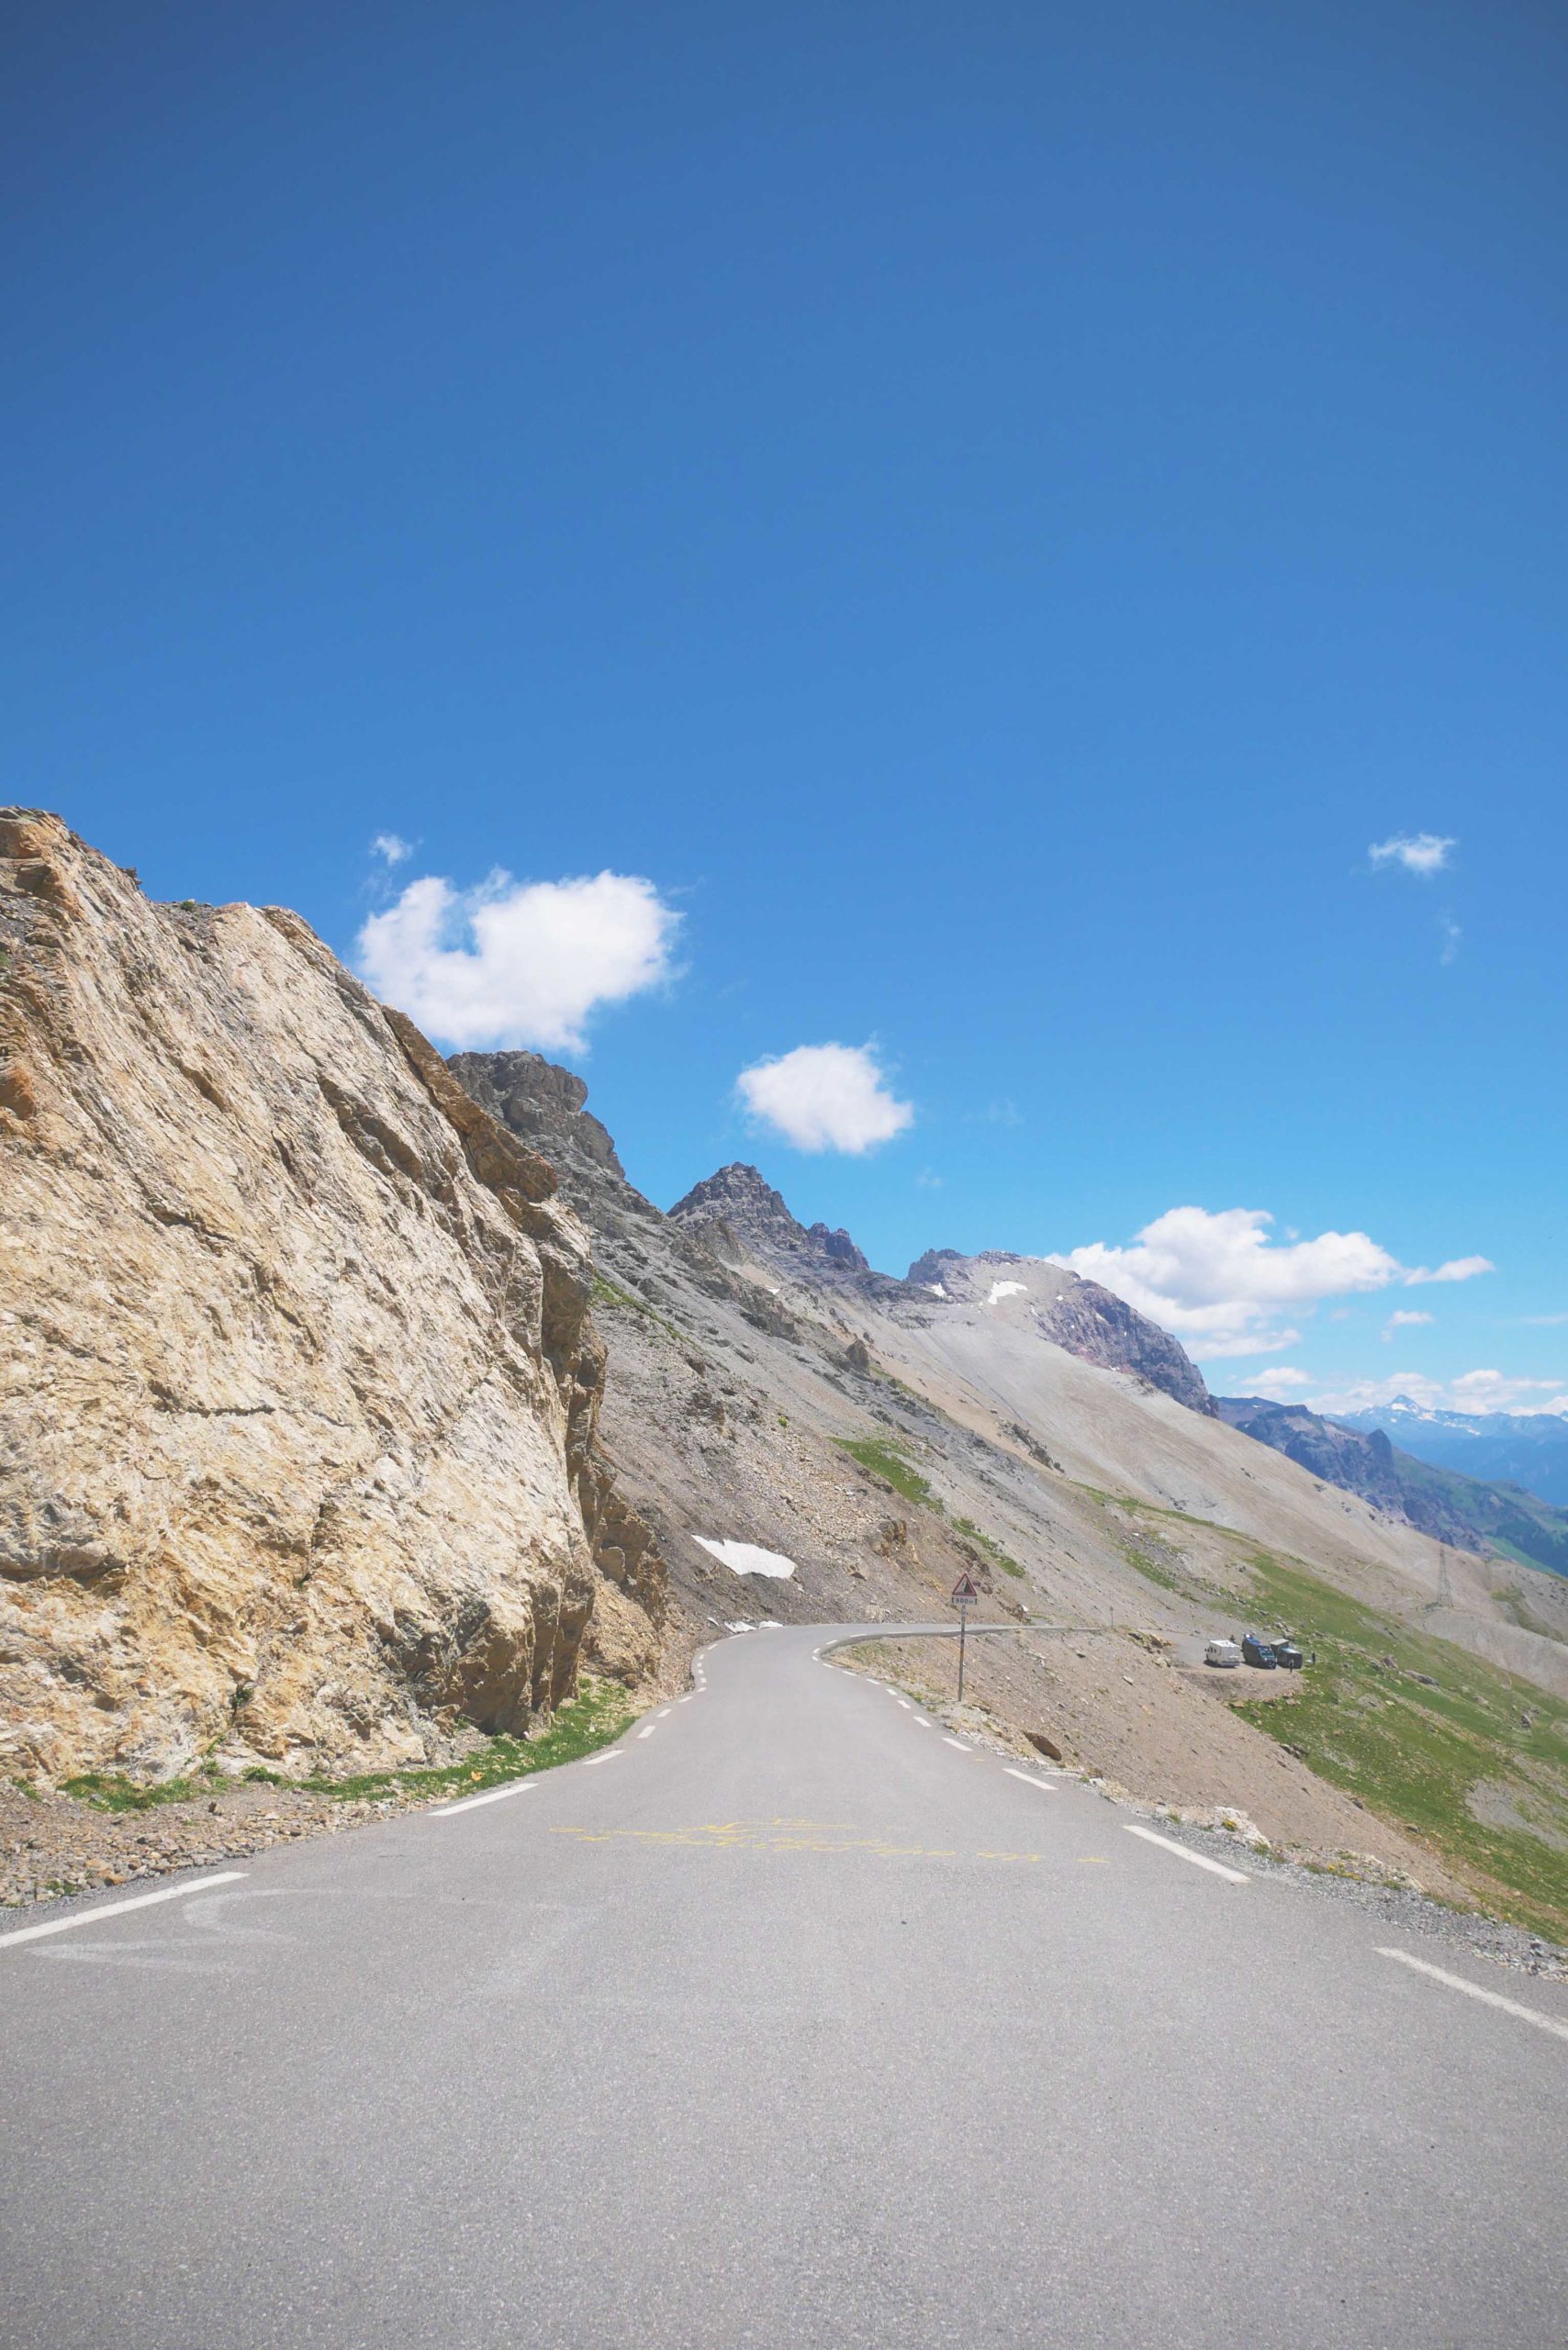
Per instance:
{"type": "Point", "coordinates": [920, 1724]}
{"type": "Point", "coordinates": [649, 1731]}
{"type": "Point", "coordinates": [472, 1803]}
{"type": "Point", "coordinates": [118, 1909]}
{"type": "Point", "coordinates": [1493, 1998]}
{"type": "Point", "coordinates": [659, 1717]}
{"type": "Point", "coordinates": [592, 1759]}
{"type": "Point", "coordinates": [905, 1703]}
{"type": "Point", "coordinates": [1029, 1779]}
{"type": "Point", "coordinates": [1185, 1852]}
{"type": "Point", "coordinates": [959, 1744]}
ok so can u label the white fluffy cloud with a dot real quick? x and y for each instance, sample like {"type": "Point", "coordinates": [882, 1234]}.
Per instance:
{"type": "Point", "coordinates": [1280, 1386]}
{"type": "Point", "coordinates": [1401, 1320]}
{"type": "Point", "coordinates": [390, 848]}
{"type": "Point", "coordinates": [1223, 1286]}
{"type": "Point", "coordinates": [518, 962]}
{"type": "Point", "coordinates": [1421, 853]}
{"type": "Point", "coordinates": [824, 1097]}
{"type": "Point", "coordinates": [1458, 1269]}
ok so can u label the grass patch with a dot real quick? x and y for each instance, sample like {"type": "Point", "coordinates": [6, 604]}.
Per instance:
{"type": "Point", "coordinates": [1413, 1749]}
{"type": "Point", "coordinates": [621, 1301]}
{"type": "Point", "coordinates": [888, 1458]}
{"type": "Point", "coordinates": [993, 1550]}
{"type": "Point", "coordinates": [1155, 1571]}
{"type": "Point", "coordinates": [112, 1791]}
{"type": "Point", "coordinates": [598, 1713]}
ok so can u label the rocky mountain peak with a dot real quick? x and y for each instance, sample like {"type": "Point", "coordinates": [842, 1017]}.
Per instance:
{"type": "Point", "coordinates": [756, 1215]}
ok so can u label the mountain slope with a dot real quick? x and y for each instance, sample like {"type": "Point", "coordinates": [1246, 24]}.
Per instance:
{"type": "Point", "coordinates": [298, 1456]}
{"type": "Point", "coordinates": [1453, 1508]}
{"type": "Point", "coordinates": [765, 1388]}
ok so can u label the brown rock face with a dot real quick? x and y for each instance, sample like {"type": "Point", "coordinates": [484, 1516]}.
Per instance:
{"type": "Point", "coordinates": [299, 1388]}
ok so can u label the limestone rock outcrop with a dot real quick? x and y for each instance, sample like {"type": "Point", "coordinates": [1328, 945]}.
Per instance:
{"type": "Point", "coordinates": [299, 1385]}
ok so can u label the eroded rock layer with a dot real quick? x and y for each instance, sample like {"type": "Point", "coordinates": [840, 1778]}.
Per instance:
{"type": "Point", "coordinates": [300, 1386]}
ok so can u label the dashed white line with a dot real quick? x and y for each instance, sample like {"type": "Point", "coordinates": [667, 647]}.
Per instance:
{"type": "Point", "coordinates": [590, 1760]}
{"type": "Point", "coordinates": [1474, 1990]}
{"type": "Point", "coordinates": [649, 1731]}
{"type": "Point", "coordinates": [920, 1724]}
{"type": "Point", "coordinates": [1029, 1779]}
{"type": "Point", "coordinates": [472, 1803]}
{"type": "Point", "coordinates": [1185, 1852]}
{"type": "Point", "coordinates": [118, 1909]}
{"type": "Point", "coordinates": [959, 1744]}
{"type": "Point", "coordinates": [905, 1703]}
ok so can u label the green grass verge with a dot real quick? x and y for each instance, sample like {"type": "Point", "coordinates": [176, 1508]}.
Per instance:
{"type": "Point", "coordinates": [597, 1715]}
{"type": "Point", "coordinates": [1413, 1750]}
{"type": "Point", "coordinates": [993, 1550]}
{"type": "Point", "coordinates": [620, 1301]}
{"type": "Point", "coordinates": [886, 1457]}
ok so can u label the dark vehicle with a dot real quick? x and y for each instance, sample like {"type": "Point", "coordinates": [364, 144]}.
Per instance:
{"type": "Point", "coordinates": [1288, 1657]}
{"type": "Point", "coordinates": [1257, 1652]}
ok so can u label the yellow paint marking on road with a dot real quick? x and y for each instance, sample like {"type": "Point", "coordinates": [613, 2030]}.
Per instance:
{"type": "Point", "coordinates": [783, 1836]}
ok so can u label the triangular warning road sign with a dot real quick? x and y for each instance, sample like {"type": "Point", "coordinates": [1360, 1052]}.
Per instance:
{"type": "Point", "coordinates": [963, 1590]}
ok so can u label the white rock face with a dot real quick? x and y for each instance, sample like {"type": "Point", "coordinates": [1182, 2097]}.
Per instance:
{"type": "Point", "coordinates": [299, 1388]}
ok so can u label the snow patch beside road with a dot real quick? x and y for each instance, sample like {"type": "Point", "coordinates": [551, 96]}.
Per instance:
{"type": "Point", "coordinates": [746, 1559]}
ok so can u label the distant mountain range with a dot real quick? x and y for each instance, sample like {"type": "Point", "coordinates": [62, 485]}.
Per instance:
{"type": "Point", "coordinates": [1530, 1449]}
{"type": "Point", "coordinates": [1471, 1512]}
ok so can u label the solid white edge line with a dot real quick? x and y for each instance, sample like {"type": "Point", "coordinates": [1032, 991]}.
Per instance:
{"type": "Point", "coordinates": [1492, 1998]}
{"type": "Point", "coordinates": [472, 1803]}
{"type": "Point", "coordinates": [1185, 1852]}
{"type": "Point", "coordinates": [118, 1909]}
{"type": "Point", "coordinates": [1029, 1779]}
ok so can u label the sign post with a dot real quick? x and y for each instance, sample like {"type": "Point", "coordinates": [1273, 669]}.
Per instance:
{"type": "Point", "coordinates": [963, 1599]}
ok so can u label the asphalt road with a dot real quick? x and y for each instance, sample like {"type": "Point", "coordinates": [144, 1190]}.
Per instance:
{"type": "Point", "coordinates": [787, 2021]}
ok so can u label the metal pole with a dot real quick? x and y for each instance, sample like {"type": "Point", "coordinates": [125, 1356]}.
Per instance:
{"type": "Point", "coordinates": [963, 1627]}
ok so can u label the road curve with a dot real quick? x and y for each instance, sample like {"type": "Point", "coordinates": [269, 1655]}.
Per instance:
{"type": "Point", "coordinates": [787, 2021]}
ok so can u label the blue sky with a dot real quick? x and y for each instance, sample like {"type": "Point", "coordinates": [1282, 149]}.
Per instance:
{"type": "Point", "coordinates": [986, 514]}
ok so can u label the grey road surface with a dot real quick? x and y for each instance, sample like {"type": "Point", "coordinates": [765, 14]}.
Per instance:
{"type": "Point", "coordinates": [788, 2021]}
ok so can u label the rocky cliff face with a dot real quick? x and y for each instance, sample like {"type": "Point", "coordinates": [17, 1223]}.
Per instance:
{"type": "Point", "coordinates": [298, 1428]}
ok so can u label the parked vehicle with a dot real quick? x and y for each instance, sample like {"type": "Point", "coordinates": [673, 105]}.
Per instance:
{"type": "Point", "coordinates": [1257, 1653]}
{"type": "Point", "coordinates": [1288, 1657]}
{"type": "Point", "coordinates": [1222, 1653]}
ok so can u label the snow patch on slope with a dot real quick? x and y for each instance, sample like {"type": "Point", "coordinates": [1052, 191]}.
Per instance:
{"type": "Point", "coordinates": [746, 1559]}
